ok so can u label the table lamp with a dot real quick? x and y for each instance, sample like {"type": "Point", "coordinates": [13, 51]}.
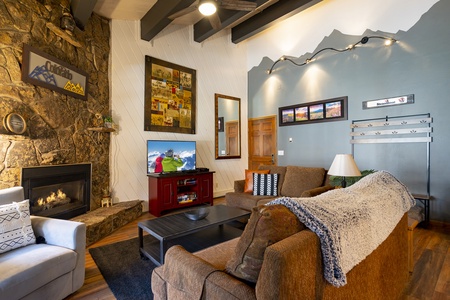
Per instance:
{"type": "Point", "coordinates": [344, 165]}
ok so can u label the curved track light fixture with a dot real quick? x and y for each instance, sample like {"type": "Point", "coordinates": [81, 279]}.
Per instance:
{"type": "Point", "coordinates": [388, 41]}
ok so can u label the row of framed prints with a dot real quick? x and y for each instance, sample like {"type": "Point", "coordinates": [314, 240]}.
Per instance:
{"type": "Point", "coordinates": [334, 109]}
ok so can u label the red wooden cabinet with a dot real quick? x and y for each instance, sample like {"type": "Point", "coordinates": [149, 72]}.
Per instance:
{"type": "Point", "coordinates": [172, 191]}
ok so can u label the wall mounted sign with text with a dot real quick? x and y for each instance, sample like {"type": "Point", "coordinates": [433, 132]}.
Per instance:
{"type": "Point", "coordinates": [314, 112]}
{"type": "Point", "coordinates": [388, 102]}
{"type": "Point", "coordinates": [42, 69]}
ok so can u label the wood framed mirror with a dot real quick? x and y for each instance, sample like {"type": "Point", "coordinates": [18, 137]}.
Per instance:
{"type": "Point", "coordinates": [228, 126]}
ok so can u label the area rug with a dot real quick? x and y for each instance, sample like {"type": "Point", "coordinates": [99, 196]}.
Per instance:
{"type": "Point", "coordinates": [127, 275]}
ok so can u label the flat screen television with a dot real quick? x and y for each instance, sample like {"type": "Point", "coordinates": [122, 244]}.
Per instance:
{"type": "Point", "coordinates": [170, 156]}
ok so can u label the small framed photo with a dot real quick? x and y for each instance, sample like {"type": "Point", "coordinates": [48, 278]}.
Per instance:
{"type": "Point", "coordinates": [287, 115]}
{"type": "Point", "coordinates": [301, 114]}
{"type": "Point", "coordinates": [333, 109]}
{"type": "Point", "coordinates": [316, 112]}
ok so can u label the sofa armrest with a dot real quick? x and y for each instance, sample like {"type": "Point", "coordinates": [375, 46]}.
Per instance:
{"type": "Point", "coordinates": [317, 191]}
{"type": "Point", "coordinates": [68, 234]}
{"type": "Point", "coordinates": [187, 276]}
{"type": "Point", "coordinates": [291, 268]}
{"type": "Point", "coordinates": [64, 233]}
{"type": "Point", "coordinates": [239, 186]}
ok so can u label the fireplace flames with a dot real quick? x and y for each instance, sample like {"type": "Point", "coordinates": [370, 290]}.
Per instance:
{"type": "Point", "coordinates": [55, 199]}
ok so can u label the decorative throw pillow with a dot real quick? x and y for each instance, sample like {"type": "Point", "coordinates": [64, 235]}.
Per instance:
{"type": "Point", "coordinates": [248, 187]}
{"type": "Point", "coordinates": [265, 184]}
{"type": "Point", "coordinates": [266, 226]}
{"type": "Point", "coordinates": [15, 226]}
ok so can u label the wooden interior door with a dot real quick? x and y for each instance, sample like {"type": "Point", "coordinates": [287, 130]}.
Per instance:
{"type": "Point", "coordinates": [262, 144]}
{"type": "Point", "coordinates": [232, 138]}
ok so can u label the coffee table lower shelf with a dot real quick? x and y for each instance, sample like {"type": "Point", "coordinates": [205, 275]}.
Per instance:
{"type": "Point", "coordinates": [154, 249]}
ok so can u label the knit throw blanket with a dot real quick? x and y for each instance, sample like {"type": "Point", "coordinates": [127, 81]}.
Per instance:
{"type": "Point", "coordinates": [352, 222]}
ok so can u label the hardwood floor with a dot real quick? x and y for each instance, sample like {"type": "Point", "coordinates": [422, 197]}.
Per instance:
{"type": "Point", "coordinates": [430, 279]}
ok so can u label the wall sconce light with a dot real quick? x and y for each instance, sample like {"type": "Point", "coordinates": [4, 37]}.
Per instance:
{"type": "Point", "coordinates": [388, 42]}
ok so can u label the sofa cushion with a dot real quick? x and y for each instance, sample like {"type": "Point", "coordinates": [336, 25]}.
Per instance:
{"type": "Point", "coordinates": [28, 268]}
{"type": "Point", "coordinates": [248, 188]}
{"type": "Point", "coordinates": [267, 225]}
{"type": "Point", "coordinates": [299, 179]}
{"type": "Point", "coordinates": [15, 226]}
{"type": "Point", "coordinates": [244, 200]}
{"type": "Point", "coordinates": [265, 184]}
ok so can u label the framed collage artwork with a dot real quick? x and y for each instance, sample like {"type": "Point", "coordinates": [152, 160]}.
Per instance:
{"type": "Point", "coordinates": [170, 97]}
{"type": "Point", "coordinates": [334, 109]}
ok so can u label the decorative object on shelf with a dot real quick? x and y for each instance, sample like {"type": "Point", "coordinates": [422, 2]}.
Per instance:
{"type": "Point", "coordinates": [67, 21]}
{"type": "Point", "coordinates": [334, 109]}
{"type": "Point", "coordinates": [344, 166]}
{"type": "Point", "coordinates": [14, 123]}
{"type": "Point", "coordinates": [108, 121]}
{"type": "Point", "coordinates": [408, 99]}
{"type": "Point", "coordinates": [170, 97]}
{"type": "Point", "coordinates": [197, 214]}
{"type": "Point", "coordinates": [106, 198]}
{"type": "Point", "coordinates": [337, 180]}
{"type": "Point", "coordinates": [42, 69]}
{"type": "Point", "coordinates": [388, 42]}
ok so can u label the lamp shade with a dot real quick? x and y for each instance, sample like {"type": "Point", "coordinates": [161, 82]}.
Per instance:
{"type": "Point", "coordinates": [344, 165]}
{"type": "Point", "coordinates": [207, 7]}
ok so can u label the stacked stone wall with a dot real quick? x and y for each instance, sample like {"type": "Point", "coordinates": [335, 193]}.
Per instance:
{"type": "Point", "coordinates": [57, 124]}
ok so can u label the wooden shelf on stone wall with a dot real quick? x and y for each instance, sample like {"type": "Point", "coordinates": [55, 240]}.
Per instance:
{"type": "Point", "coordinates": [101, 129]}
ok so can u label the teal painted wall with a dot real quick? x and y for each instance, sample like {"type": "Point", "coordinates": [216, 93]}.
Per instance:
{"type": "Point", "coordinates": [419, 64]}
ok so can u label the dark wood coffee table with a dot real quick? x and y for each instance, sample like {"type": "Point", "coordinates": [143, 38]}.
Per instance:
{"type": "Point", "coordinates": [177, 229]}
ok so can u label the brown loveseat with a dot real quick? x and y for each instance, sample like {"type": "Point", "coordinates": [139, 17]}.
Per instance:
{"type": "Point", "coordinates": [291, 268]}
{"type": "Point", "coordinates": [294, 181]}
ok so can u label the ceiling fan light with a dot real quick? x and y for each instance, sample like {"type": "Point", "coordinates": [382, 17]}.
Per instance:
{"type": "Point", "coordinates": [207, 8]}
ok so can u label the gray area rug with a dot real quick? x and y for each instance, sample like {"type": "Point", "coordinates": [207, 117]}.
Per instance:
{"type": "Point", "coordinates": [127, 275]}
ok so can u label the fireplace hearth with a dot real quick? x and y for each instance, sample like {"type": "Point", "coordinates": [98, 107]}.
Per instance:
{"type": "Point", "coordinates": [59, 191]}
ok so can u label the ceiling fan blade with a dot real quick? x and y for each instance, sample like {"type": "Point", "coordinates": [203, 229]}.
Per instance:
{"type": "Point", "coordinates": [183, 12]}
{"type": "Point", "coordinates": [238, 5]}
{"type": "Point", "coordinates": [215, 21]}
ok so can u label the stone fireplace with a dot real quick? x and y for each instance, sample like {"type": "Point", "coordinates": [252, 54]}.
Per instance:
{"type": "Point", "coordinates": [60, 191]}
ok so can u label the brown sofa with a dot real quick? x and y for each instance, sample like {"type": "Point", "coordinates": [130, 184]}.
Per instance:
{"type": "Point", "coordinates": [291, 268]}
{"type": "Point", "coordinates": [294, 181]}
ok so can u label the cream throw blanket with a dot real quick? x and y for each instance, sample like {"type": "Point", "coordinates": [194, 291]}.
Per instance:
{"type": "Point", "coordinates": [352, 222]}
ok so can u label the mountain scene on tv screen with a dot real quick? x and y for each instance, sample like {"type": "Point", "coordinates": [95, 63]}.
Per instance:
{"type": "Point", "coordinates": [188, 158]}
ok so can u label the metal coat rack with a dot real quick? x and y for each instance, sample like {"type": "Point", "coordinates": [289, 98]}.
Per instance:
{"type": "Point", "coordinates": [398, 129]}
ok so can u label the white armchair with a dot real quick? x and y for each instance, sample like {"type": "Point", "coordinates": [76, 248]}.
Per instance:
{"type": "Point", "coordinates": [43, 271]}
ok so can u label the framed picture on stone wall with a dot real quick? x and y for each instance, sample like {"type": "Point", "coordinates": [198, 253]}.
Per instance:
{"type": "Point", "coordinates": [42, 69]}
{"type": "Point", "coordinates": [170, 97]}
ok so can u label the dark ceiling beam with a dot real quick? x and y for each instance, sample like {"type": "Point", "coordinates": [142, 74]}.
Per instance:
{"type": "Point", "coordinates": [204, 30]}
{"type": "Point", "coordinates": [81, 11]}
{"type": "Point", "coordinates": [156, 19]}
{"type": "Point", "coordinates": [277, 12]}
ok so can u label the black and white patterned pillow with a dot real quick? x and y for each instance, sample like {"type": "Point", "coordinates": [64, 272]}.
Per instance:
{"type": "Point", "coordinates": [265, 184]}
{"type": "Point", "coordinates": [15, 226]}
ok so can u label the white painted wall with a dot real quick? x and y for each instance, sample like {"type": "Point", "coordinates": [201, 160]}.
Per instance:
{"type": "Point", "coordinates": [302, 33]}
{"type": "Point", "coordinates": [221, 68]}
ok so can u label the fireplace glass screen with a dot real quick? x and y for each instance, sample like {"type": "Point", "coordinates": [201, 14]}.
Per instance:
{"type": "Point", "coordinates": [56, 198]}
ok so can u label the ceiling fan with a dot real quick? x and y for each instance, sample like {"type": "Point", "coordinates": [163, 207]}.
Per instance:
{"type": "Point", "coordinates": [209, 7]}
